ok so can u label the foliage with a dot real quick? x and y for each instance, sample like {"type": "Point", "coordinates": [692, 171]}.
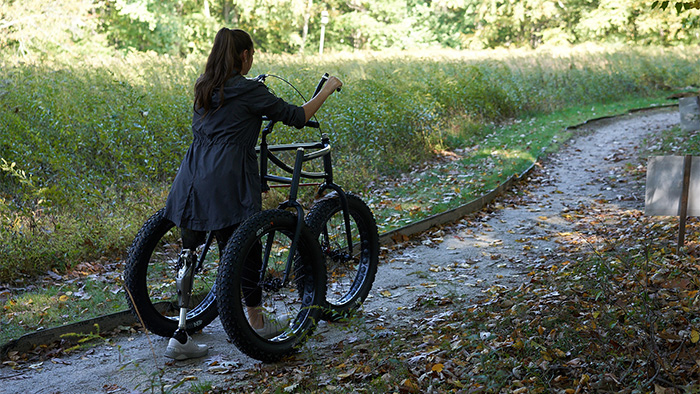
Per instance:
{"type": "Point", "coordinates": [680, 6]}
{"type": "Point", "coordinates": [46, 28]}
{"type": "Point", "coordinates": [105, 136]}
{"type": "Point", "coordinates": [184, 27]}
{"type": "Point", "coordinates": [89, 290]}
{"type": "Point", "coordinates": [276, 25]}
{"type": "Point", "coordinates": [164, 27]}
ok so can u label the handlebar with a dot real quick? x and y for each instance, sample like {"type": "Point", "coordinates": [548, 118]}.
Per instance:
{"type": "Point", "coordinates": [311, 123]}
{"type": "Point", "coordinates": [324, 78]}
{"type": "Point", "coordinates": [322, 82]}
{"type": "Point", "coordinates": [320, 149]}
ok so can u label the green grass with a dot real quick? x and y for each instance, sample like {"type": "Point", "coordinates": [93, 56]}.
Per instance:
{"type": "Point", "coordinates": [96, 141]}
{"type": "Point", "coordinates": [487, 158]}
{"type": "Point", "coordinates": [51, 305]}
{"type": "Point", "coordinates": [397, 204]}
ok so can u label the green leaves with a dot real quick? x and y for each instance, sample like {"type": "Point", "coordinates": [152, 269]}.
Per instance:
{"type": "Point", "coordinates": [659, 4]}
{"type": "Point", "coordinates": [186, 27]}
{"type": "Point", "coordinates": [680, 6]}
{"type": "Point", "coordinates": [172, 27]}
{"type": "Point", "coordinates": [105, 135]}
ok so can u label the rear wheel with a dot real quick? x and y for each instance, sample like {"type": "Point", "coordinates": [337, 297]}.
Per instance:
{"type": "Point", "coordinates": [149, 277]}
{"type": "Point", "coordinates": [351, 272]}
{"type": "Point", "coordinates": [294, 302]}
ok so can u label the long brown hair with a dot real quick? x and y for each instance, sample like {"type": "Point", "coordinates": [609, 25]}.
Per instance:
{"type": "Point", "coordinates": [224, 62]}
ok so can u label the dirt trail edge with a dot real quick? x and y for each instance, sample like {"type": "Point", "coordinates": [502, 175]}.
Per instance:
{"type": "Point", "coordinates": [465, 259]}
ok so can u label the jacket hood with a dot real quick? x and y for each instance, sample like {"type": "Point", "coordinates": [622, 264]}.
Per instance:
{"type": "Point", "coordinates": [233, 87]}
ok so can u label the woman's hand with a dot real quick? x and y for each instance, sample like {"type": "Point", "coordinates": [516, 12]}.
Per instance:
{"type": "Point", "coordinates": [315, 103]}
{"type": "Point", "coordinates": [333, 84]}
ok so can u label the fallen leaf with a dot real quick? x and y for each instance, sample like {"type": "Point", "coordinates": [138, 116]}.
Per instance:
{"type": "Point", "coordinates": [663, 390]}
{"type": "Point", "coordinates": [223, 367]}
{"type": "Point", "coordinates": [345, 375]}
{"type": "Point", "coordinates": [518, 344]}
{"type": "Point", "coordinates": [408, 385]}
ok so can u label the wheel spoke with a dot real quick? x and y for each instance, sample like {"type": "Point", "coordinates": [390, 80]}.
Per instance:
{"type": "Point", "coordinates": [350, 272]}
{"type": "Point", "coordinates": [265, 315]}
{"type": "Point", "coordinates": [151, 269]}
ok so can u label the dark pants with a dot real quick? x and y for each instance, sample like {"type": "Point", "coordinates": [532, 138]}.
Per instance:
{"type": "Point", "coordinates": [252, 293]}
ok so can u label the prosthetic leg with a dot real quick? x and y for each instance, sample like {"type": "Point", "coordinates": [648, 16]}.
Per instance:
{"type": "Point", "coordinates": [181, 345]}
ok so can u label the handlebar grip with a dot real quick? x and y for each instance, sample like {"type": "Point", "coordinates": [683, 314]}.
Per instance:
{"type": "Point", "coordinates": [322, 82]}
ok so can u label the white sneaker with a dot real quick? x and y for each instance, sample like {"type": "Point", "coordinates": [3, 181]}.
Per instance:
{"type": "Point", "coordinates": [190, 349]}
{"type": "Point", "coordinates": [272, 328]}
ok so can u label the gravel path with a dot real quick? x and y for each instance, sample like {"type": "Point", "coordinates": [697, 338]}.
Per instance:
{"type": "Point", "coordinates": [487, 249]}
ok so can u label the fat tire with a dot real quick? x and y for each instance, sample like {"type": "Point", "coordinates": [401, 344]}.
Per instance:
{"type": "Point", "coordinates": [135, 281]}
{"type": "Point", "coordinates": [362, 219]}
{"type": "Point", "coordinates": [308, 288]}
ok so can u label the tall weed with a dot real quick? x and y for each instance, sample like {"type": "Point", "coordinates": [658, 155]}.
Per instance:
{"type": "Point", "coordinates": [101, 137]}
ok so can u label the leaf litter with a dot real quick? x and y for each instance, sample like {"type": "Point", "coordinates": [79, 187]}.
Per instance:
{"type": "Point", "coordinates": [602, 302]}
{"type": "Point", "coordinates": [606, 305]}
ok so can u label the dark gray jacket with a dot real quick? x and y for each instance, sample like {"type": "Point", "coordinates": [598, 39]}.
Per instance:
{"type": "Point", "coordinates": [218, 183]}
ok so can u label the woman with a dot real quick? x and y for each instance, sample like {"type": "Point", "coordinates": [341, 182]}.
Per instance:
{"type": "Point", "coordinates": [218, 185]}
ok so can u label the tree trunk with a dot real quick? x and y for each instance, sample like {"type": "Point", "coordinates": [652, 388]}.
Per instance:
{"type": "Point", "coordinates": [205, 9]}
{"type": "Point", "coordinates": [305, 31]}
{"type": "Point", "coordinates": [229, 12]}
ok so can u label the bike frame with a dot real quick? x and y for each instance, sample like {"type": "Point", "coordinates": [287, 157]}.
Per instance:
{"type": "Point", "coordinates": [320, 149]}
{"type": "Point", "coordinates": [266, 154]}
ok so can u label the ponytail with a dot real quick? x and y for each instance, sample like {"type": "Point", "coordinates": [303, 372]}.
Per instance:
{"type": "Point", "coordinates": [225, 61]}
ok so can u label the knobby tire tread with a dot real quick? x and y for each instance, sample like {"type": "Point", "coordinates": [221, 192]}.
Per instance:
{"type": "Point", "coordinates": [135, 275]}
{"type": "Point", "coordinates": [228, 285]}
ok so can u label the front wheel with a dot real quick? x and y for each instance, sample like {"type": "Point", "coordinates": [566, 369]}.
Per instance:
{"type": "Point", "coordinates": [256, 277]}
{"type": "Point", "coordinates": [150, 279]}
{"type": "Point", "coordinates": [351, 270]}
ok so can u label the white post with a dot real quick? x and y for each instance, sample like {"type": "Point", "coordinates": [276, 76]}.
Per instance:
{"type": "Point", "coordinates": [324, 20]}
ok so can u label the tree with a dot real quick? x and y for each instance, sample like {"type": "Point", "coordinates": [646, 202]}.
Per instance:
{"type": "Point", "coordinates": [182, 26]}
{"type": "Point", "coordinates": [163, 26]}
{"type": "Point", "coordinates": [680, 6]}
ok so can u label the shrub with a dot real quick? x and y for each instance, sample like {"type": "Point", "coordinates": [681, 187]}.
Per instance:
{"type": "Point", "coordinates": [99, 139]}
